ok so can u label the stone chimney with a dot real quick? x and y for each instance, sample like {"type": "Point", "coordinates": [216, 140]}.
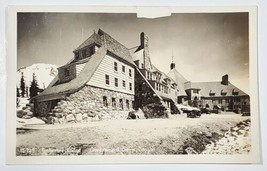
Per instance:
{"type": "Point", "coordinates": [144, 45]}
{"type": "Point", "coordinates": [225, 79]}
{"type": "Point", "coordinates": [143, 40]}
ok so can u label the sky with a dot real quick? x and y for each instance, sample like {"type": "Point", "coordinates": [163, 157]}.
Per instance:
{"type": "Point", "coordinates": [204, 46]}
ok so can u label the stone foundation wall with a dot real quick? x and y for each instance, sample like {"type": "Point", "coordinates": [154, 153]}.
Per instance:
{"type": "Point", "coordinates": [87, 105]}
{"type": "Point", "coordinates": [41, 109]}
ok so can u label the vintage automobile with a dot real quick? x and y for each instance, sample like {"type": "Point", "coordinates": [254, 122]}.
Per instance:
{"type": "Point", "coordinates": [205, 110]}
{"type": "Point", "coordinates": [192, 112]}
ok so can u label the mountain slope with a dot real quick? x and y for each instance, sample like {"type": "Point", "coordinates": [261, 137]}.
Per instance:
{"type": "Point", "coordinates": [44, 73]}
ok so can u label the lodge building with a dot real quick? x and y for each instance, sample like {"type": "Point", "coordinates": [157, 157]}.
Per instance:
{"type": "Point", "coordinates": [107, 80]}
{"type": "Point", "coordinates": [100, 77]}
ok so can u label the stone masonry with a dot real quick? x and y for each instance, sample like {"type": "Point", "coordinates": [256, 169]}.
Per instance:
{"type": "Point", "coordinates": [87, 105]}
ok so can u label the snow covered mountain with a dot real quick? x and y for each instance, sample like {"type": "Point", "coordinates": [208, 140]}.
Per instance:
{"type": "Point", "coordinates": [44, 73]}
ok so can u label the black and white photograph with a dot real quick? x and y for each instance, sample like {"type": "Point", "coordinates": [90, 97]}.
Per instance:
{"type": "Point", "coordinates": [115, 84]}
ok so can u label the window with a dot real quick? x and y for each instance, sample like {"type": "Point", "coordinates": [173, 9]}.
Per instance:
{"type": "Point", "coordinates": [67, 72]}
{"type": "Point", "coordinates": [212, 94]}
{"type": "Point", "coordinates": [92, 50]}
{"type": "Point", "coordinates": [115, 66]}
{"type": "Point", "coordinates": [123, 68]}
{"type": "Point", "coordinates": [121, 104]}
{"type": "Point", "coordinates": [116, 82]}
{"type": "Point", "coordinates": [123, 84]}
{"type": "Point", "coordinates": [220, 101]}
{"type": "Point", "coordinates": [130, 73]}
{"type": "Point", "coordinates": [105, 101]}
{"type": "Point", "coordinates": [77, 55]}
{"type": "Point", "coordinates": [114, 102]}
{"type": "Point", "coordinates": [127, 104]}
{"type": "Point", "coordinates": [84, 53]}
{"type": "Point", "coordinates": [107, 79]}
{"type": "Point", "coordinates": [142, 66]}
{"type": "Point", "coordinates": [167, 90]}
{"type": "Point", "coordinates": [130, 86]}
{"type": "Point", "coordinates": [195, 91]}
{"type": "Point", "coordinates": [147, 75]}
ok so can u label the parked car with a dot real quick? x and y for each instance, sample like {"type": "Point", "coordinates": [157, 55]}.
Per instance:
{"type": "Point", "coordinates": [216, 109]}
{"type": "Point", "coordinates": [192, 112]}
{"type": "Point", "coordinates": [246, 114]}
{"type": "Point", "coordinates": [205, 110]}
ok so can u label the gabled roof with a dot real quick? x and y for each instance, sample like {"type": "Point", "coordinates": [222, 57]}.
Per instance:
{"type": "Point", "coordinates": [179, 80]}
{"type": "Point", "coordinates": [163, 75]}
{"type": "Point", "coordinates": [180, 86]}
{"type": "Point", "coordinates": [103, 39]}
{"type": "Point", "coordinates": [78, 82]}
{"type": "Point", "coordinates": [215, 87]}
{"type": "Point", "coordinates": [115, 47]}
{"type": "Point", "coordinates": [177, 76]}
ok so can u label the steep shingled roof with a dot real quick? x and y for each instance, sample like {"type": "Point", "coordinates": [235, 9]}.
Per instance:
{"type": "Point", "coordinates": [94, 38]}
{"type": "Point", "coordinates": [215, 87]}
{"type": "Point", "coordinates": [103, 39]}
{"type": "Point", "coordinates": [179, 79]}
{"type": "Point", "coordinates": [78, 82]}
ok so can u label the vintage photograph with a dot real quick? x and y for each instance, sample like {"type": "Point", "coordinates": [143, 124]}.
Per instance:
{"type": "Point", "coordinates": [115, 84]}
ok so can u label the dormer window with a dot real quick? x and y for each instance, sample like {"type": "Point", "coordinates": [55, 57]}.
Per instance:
{"type": "Point", "coordinates": [77, 55]}
{"type": "Point", "coordinates": [84, 53]}
{"type": "Point", "coordinates": [212, 93]}
{"type": "Point", "coordinates": [235, 93]}
{"type": "Point", "coordinates": [67, 72]}
{"type": "Point", "coordinates": [223, 93]}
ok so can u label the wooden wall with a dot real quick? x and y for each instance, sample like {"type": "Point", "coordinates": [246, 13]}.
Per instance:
{"type": "Point", "coordinates": [107, 67]}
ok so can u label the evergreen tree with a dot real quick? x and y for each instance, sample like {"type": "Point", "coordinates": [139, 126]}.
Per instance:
{"type": "Point", "coordinates": [27, 91]}
{"type": "Point", "coordinates": [22, 85]}
{"type": "Point", "coordinates": [34, 87]}
{"type": "Point", "coordinates": [18, 95]}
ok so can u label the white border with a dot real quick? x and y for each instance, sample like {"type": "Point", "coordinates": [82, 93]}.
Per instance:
{"type": "Point", "coordinates": [11, 68]}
